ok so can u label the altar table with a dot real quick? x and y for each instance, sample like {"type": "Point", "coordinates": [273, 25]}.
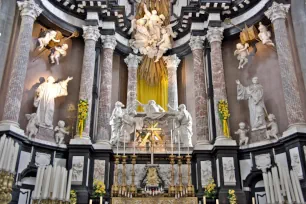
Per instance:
{"type": "Point", "coordinates": [155, 200]}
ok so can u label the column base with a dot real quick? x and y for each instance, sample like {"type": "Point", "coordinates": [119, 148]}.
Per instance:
{"type": "Point", "coordinates": [224, 141]}
{"type": "Point", "coordinates": [85, 140]}
{"type": "Point", "coordinates": [102, 144]}
{"type": "Point", "coordinates": [7, 125]}
{"type": "Point", "coordinates": [295, 128]}
{"type": "Point", "coordinates": [203, 145]}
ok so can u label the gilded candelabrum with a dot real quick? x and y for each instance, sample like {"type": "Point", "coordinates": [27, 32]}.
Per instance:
{"type": "Point", "coordinates": [190, 188]}
{"type": "Point", "coordinates": [123, 186]}
{"type": "Point", "coordinates": [133, 188]}
{"type": "Point", "coordinates": [6, 183]}
{"type": "Point", "coordinates": [172, 186]}
{"type": "Point", "coordinates": [115, 187]}
{"type": "Point", "coordinates": [180, 186]}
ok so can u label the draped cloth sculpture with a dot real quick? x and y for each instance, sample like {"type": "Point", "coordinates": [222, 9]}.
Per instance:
{"type": "Point", "coordinates": [44, 100]}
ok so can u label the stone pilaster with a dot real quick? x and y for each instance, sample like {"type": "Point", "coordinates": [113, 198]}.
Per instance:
{"type": "Point", "coordinates": [90, 34]}
{"type": "Point", "coordinates": [277, 14]}
{"type": "Point", "coordinates": [215, 37]}
{"type": "Point", "coordinates": [29, 11]}
{"type": "Point", "coordinates": [132, 62]}
{"type": "Point", "coordinates": [172, 62]}
{"type": "Point", "coordinates": [196, 45]}
{"type": "Point", "coordinates": [105, 98]}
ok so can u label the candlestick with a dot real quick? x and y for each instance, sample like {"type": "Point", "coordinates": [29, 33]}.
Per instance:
{"type": "Point", "coordinates": [172, 187]}
{"type": "Point", "coordinates": [253, 200]}
{"type": "Point", "coordinates": [172, 142]}
{"type": "Point", "coordinates": [133, 186]}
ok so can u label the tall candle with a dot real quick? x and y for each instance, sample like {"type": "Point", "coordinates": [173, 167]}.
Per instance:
{"type": "Point", "coordinates": [204, 200]}
{"type": "Point", "coordinates": [56, 183]}
{"type": "Point", "coordinates": [172, 142]}
{"type": "Point", "coordinates": [124, 143]}
{"type": "Point", "coordinates": [14, 161]}
{"type": "Point", "coordinates": [62, 184]}
{"type": "Point", "coordinates": [101, 199]}
{"type": "Point", "coordinates": [65, 185]}
{"type": "Point", "coordinates": [2, 141]}
{"type": "Point", "coordinates": [179, 142]}
{"type": "Point", "coordinates": [253, 200]}
{"type": "Point", "coordinates": [53, 174]}
{"type": "Point", "coordinates": [36, 183]}
{"type": "Point", "coordinates": [7, 161]}
{"type": "Point", "coordinates": [90, 201]}
{"type": "Point", "coordinates": [69, 186]}
{"type": "Point", "coordinates": [47, 184]}
{"type": "Point", "coordinates": [217, 201]}
{"type": "Point", "coordinates": [4, 153]}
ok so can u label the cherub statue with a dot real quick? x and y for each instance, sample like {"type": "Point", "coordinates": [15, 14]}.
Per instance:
{"type": "Point", "coordinates": [242, 131]}
{"type": "Point", "coordinates": [242, 53]}
{"type": "Point", "coordinates": [141, 37]}
{"type": "Point", "coordinates": [57, 52]}
{"type": "Point", "coordinates": [272, 126]}
{"type": "Point", "coordinates": [61, 132]}
{"type": "Point", "coordinates": [31, 129]}
{"type": "Point", "coordinates": [265, 35]}
{"type": "Point", "coordinates": [45, 40]}
{"type": "Point", "coordinates": [154, 21]}
{"type": "Point", "coordinates": [164, 44]}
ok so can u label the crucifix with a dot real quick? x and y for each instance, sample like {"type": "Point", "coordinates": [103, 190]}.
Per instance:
{"type": "Point", "coordinates": [152, 133]}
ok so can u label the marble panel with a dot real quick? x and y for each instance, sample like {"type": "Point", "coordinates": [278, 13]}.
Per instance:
{"type": "Point", "coordinates": [99, 170]}
{"type": "Point", "coordinates": [77, 170]}
{"type": "Point", "coordinates": [206, 172]}
{"type": "Point", "coordinates": [228, 171]}
{"type": "Point", "coordinates": [296, 162]}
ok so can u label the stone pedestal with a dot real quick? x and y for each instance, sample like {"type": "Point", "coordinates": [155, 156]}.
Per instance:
{"type": "Point", "coordinates": [109, 44]}
{"type": "Point", "coordinates": [29, 12]}
{"type": "Point", "coordinates": [258, 135]}
{"type": "Point", "coordinates": [200, 90]}
{"type": "Point", "coordinates": [91, 35]}
{"type": "Point", "coordinates": [172, 63]}
{"type": "Point", "coordinates": [277, 14]}
{"type": "Point", "coordinates": [132, 62]}
{"type": "Point", "coordinates": [45, 134]}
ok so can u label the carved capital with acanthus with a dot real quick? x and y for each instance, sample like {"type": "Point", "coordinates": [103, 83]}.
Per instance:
{"type": "Point", "coordinates": [109, 41]}
{"type": "Point", "coordinates": [172, 61]}
{"type": "Point", "coordinates": [215, 34]}
{"type": "Point", "coordinates": [91, 33]}
{"type": "Point", "coordinates": [133, 61]}
{"type": "Point", "coordinates": [29, 8]}
{"type": "Point", "coordinates": [196, 42]}
{"type": "Point", "coordinates": [277, 11]}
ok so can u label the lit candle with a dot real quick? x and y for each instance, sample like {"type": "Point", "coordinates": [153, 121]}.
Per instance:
{"type": "Point", "coordinates": [179, 142]}
{"type": "Point", "coordinates": [217, 201]}
{"type": "Point", "coordinates": [69, 186]}
{"type": "Point", "coordinates": [101, 199]}
{"type": "Point", "coordinates": [135, 139]}
{"type": "Point", "coordinates": [4, 154]}
{"type": "Point", "coordinates": [204, 200]}
{"type": "Point", "coordinates": [90, 201]}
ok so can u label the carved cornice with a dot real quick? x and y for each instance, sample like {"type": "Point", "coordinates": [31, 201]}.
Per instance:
{"type": "Point", "coordinates": [29, 8]}
{"type": "Point", "coordinates": [196, 42]}
{"type": "Point", "coordinates": [109, 41]}
{"type": "Point", "coordinates": [277, 11]}
{"type": "Point", "coordinates": [172, 61]}
{"type": "Point", "coordinates": [91, 33]}
{"type": "Point", "coordinates": [215, 34]}
{"type": "Point", "coordinates": [133, 61]}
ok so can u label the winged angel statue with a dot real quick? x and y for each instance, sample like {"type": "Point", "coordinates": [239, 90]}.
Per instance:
{"type": "Point", "coordinates": [151, 37]}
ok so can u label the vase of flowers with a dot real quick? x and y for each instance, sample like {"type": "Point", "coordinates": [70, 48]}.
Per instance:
{"type": "Point", "coordinates": [98, 190]}
{"type": "Point", "coordinates": [210, 191]}
{"type": "Point", "coordinates": [232, 196]}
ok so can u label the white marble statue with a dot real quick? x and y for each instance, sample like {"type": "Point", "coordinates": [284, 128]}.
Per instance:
{"type": "Point", "coordinates": [47, 38]}
{"type": "Point", "coordinates": [164, 44]}
{"type": "Point", "coordinates": [272, 127]}
{"type": "Point", "coordinates": [57, 52]}
{"type": "Point", "coordinates": [152, 110]}
{"type": "Point", "coordinates": [128, 125]}
{"type": "Point", "coordinates": [242, 53]}
{"type": "Point", "coordinates": [116, 122]}
{"type": "Point", "coordinates": [229, 171]}
{"type": "Point", "coordinates": [44, 99]}
{"type": "Point", "coordinates": [60, 132]}
{"type": "Point", "coordinates": [154, 22]}
{"type": "Point", "coordinates": [141, 38]}
{"type": "Point", "coordinates": [254, 95]}
{"type": "Point", "coordinates": [242, 132]}
{"type": "Point", "coordinates": [265, 35]}
{"type": "Point", "coordinates": [31, 129]}
{"type": "Point", "coordinates": [184, 128]}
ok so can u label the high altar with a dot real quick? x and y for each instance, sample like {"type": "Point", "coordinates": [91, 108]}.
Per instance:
{"type": "Point", "coordinates": [152, 101]}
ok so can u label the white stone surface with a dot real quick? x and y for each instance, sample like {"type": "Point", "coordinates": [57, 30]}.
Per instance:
{"type": "Point", "coordinates": [228, 171]}
{"type": "Point", "coordinates": [80, 141]}
{"type": "Point", "coordinates": [77, 170]}
{"type": "Point", "coordinates": [60, 162]}
{"type": "Point", "coordinates": [263, 161]}
{"type": "Point", "coordinates": [42, 159]}
{"type": "Point", "coordinates": [25, 158]}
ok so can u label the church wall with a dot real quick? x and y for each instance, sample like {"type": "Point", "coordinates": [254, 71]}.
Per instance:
{"type": "Point", "coordinates": [265, 66]}
{"type": "Point", "coordinates": [39, 69]}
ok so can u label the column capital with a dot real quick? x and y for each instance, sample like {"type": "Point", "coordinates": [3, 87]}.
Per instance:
{"type": "Point", "coordinates": [196, 42]}
{"type": "Point", "coordinates": [29, 8]}
{"type": "Point", "coordinates": [133, 61]}
{"type": "Point", "coordinates": [215, 34]}
{"type": "Point", "coordinates": [109, 41]}
{"type": "Point", "coordinates": [172, 61]}
{"type": "Point", "coordinates": [277, 11]}
{"type": "Point", "coordinates": [91, 33]}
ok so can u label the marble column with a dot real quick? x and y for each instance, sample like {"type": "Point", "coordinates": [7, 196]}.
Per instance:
{"type": "Point", "coordinates": [132, 62]}
{"type": "Point", "coordinates": [200, 90]}
{"type": "Point", "coordinates": [277, 14]}
{"type": "Point", "coordinates": [105, 98]}
{"type": "Point", "coordinates": [91, 36]}
{"type": "Point", "coordinates": [172, 62]}
{"type": "Point", "coordinates": [29, 11]}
